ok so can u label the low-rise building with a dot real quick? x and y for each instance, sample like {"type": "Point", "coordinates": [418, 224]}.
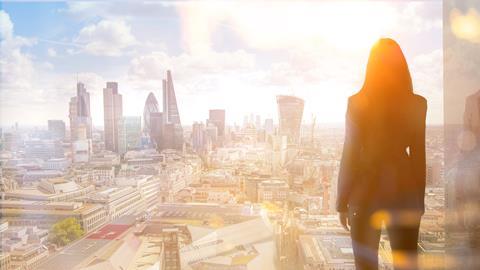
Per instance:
{"type": "Point", "coordinates": [60, 164]}
{"type": "Point", "coordinates": [5, 261]}
{"type": "Point", "coordinates": [45, 214]}
{"type": "Point", "coordinates": [331, 251]}
{"type": "Point", "coordinates": [28, 257]}
{"type": "Point", "coordinates": [3, 226]}
{"type": "Point", "coordinates": [37, 175]}
{"type": "Point", "coordinates": [272, 190]}
{"type": "Point", "coordinates": [52, 190]}
{"type": "Point", "coordinates": [18, 236]}
{"type": "Point", "coordinates": [118, 201]}
{"type": "Point", "coordinates": [147, 185]}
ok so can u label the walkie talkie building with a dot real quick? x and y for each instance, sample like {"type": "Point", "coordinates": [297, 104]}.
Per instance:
{"type": "Point", "coordinates": [290, 111]}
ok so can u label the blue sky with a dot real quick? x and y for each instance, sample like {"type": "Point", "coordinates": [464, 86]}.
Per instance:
{"type": "Point", "coordinates": [234, 55]}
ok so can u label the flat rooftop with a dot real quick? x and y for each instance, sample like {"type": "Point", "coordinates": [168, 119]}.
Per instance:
{"type": "Point", "coordinates": [88, 246]}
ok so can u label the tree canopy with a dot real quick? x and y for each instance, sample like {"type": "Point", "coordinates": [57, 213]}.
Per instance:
{"type": "Point", "coordinates": [66, 231]}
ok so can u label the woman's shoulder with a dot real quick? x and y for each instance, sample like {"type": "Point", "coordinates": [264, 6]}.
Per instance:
{"type": "Point", "coordinates": [357, 102]}
{"type": "Point", "coordinates": [419, 101]}
{"type": "Point", "coordinates": [357, 98]}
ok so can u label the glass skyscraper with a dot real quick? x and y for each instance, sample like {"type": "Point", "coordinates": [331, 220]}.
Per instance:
{"type": "Point", "coordinates": [171, 115]}
{"type": "Point", "coordinates": [80, 112]}
{"type": "Point", "coordinates": [130, 133]}
{"type": "Point", "coordinates": [151, 106]}
{"type": "Point", "coordinates": [290, 111]}
{"type": "Point", "coordinates": [113, 116]}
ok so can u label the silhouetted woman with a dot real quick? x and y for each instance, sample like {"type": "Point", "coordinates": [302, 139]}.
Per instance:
{"type": "Point", "coordinates": [382, 172]}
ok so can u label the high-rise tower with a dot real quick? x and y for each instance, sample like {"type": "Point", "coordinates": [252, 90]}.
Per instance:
{"type": "Point", "coordinates": [113, 116]}
{"type": "Point", "coordinates": [171, 114]}
{"type": "Point", "coordinates": [151, 106]}
{"type": "Point", "coordinates": [80, 112]}
{"type": "Point", "coordinates": [217, 117]}
{"type": "Point", "coordinates": [290, 111]}
{"type": "Point", "coordinates": [157, 128]}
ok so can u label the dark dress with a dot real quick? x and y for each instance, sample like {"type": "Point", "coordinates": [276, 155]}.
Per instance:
{"type": "Point", "coordinates": [383, 170]}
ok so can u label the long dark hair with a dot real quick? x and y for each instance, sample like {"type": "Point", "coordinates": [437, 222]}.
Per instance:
{"type": "Point", "coordinates": [387, 73]}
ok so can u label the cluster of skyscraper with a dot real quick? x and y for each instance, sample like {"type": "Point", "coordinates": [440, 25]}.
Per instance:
{"type": "Point", "coordinates": [163, 129]}
{"type": "Point", "coordinates": [212, 134]}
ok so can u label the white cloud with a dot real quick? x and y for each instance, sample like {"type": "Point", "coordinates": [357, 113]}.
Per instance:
{"type": "Point", "coordinates": [107, 37]}
{"type": "Point", "coordinates": [51, 52]}
{"type": "Point", "coordinates": [324, 62]}
{"type": "Point", "coordinates": [6, 26]}
{"type": "Point", "coordinates": [416, 17]}
{"type": "Point", "coordinates": [16, 67]}
{"type": "Point", "coordinates": [29, 91]}
{"type": "Point", "coordinates": [287, 49]}
{"type": "Point", "coordinates": [152, 66]}
{"type": "Point", "coordinates": [116, 9]}
{"type": "Point", "coordinates": [202, 80]}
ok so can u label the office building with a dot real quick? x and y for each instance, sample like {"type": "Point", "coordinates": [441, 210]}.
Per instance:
{"type": "Point", "coordinates": [171, 115]}
{"type": "Point", "coordinates": [59, 164]}
{"type": "Point", "coordinates": [290, 111]}
{"type": "Point", "coordinates": [72, 115]}
{"type": "Point", "coordinates": [329, 251]}
{"type": "Point", "coordinates": [198, 137]}
{"type": "Point", "coordinates": [269, 128]}
{"type": "Point", "coordinates": [45, 214]}
{"type": "Point", "coordinates": [43, 149]}
{"type": "Point", "coordinates": [55, 189]}
{"type": "Point", "coordinates": [157, 129]}
{"type": "Point", "coordinates": [113, 116]}
{"type": "Point", "coordinates": [130, 134]}
{"type": "Point", "coordinates": [151, 106]}
{"type": "Point", "coordinates": [258, 122]}
{"type": "Point", "coordinates": [147, 186]}
{"type": "Point", "coordinates": [56, 129]}
{"type": "Point", "coordinates": [272, 190]}
{"type": "Point", "coordinates": [30, 177]}
{"type": "Point", "coordinates": [79, 113]}
{"type": "Point", "coordinates": [169, 138]}
{"type": "Point", "coordinates": [28, 257]}
{"type": "Point", "coordinates": [118, 201]}
{"type": "Point", "coordinates": [212, 133]}
{"type": "Point", "coordinates": [20, 236]}
{"type": "Point", "coordinates": [217, 117]}
{"type": "Point", "coordinates": [82, 146]}
{"type": "Point", "coordinates": [5, 261]}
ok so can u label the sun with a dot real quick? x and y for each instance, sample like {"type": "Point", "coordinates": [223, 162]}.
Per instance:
{"type": "Point", "coordinates": [282, 25]}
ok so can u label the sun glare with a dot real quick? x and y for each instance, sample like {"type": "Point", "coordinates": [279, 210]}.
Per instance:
{"type": "Point", "coordinates": [344, 25]}
{"type": "Point", "coordinates": [466, 26]}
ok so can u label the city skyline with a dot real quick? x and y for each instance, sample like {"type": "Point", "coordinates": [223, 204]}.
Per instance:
{"type": "Point", "coordinates": [203, 135]}
{"type": "Point", "coordinates": [223, 64]}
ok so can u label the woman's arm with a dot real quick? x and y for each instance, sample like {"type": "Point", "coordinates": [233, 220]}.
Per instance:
{"type": "Point", "coordinates": [349, 161]}
{"type": "Point", "coordinates": [417, 150]}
